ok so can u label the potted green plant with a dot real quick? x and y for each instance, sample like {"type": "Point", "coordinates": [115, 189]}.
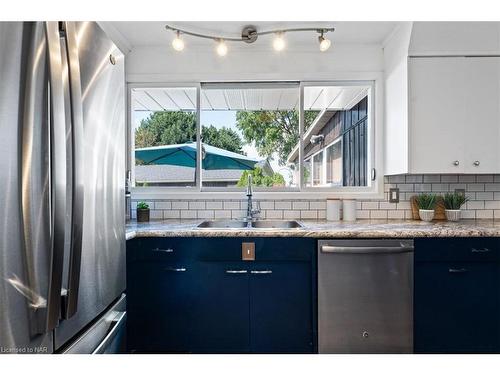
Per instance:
{"type": "Point", "coordinates": [452, 204]}
{"type": "Point", "coordinates": [426, 204]}
{"type": "Point", "coordinates": [142, 212]}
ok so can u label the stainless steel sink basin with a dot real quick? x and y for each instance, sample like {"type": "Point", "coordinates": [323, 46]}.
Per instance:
{"type": "Point", "coordinates": [223, 224]}
{"type": "Point", "coordinates": [259, 224]}
{"type": "Point", "coordinates": [278, 224]}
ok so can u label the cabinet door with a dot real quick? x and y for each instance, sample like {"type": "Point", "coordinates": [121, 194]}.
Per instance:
{"type": "Point", "coordinates": [457, 307]}
{"type": "Point", "coordinates": [437, 112]}
{"type": "Point", "coordinates": [159, 307]}
{"type": "Point", "coordinates": [281, 307]}
{"type": "Point", "coordinates": [220, 316]}
{"type": "Point", "coordinates": [482, 116]}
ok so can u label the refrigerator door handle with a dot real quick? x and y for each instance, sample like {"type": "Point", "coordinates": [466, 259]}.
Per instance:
{"type": "Point", "coordinates": [75, 91]}
{"type": "Point", "coordinates": [57, 172]}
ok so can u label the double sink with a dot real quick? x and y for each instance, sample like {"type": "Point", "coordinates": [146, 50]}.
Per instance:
{"type": "Point", "coordinates": [243, 224]}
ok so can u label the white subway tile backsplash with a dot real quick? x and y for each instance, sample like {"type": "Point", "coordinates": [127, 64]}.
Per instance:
{"type": "Point", "coordinates": [467, 178]}
{"type": "Point", "coordinates": [231, 205]}
{"type": "Point", "coordinates": [274, 214]}
{"type": "Point", "coordinates": [484, 178]}
{"type": "Point", "coordinates": [449, 178]}
{"type": "Point", "coordinates": [301, 205]}
{"type": "Point", "coordinates": [317, 205]}
{"type": "Point", "coordinates": [381, 214]}
{"type": "Point", "coordinates": [483, 191]}
{"type": "Point", "coordinates": [495, 205]}
{"type": "Point", "coordinates": [197, 205]}
{"type": "Point", "coordinates": [475, 187]}
{"type": "Point", "coordinates": [283, 205]}
{"type": "Point", "coordinates": [396, 214]}
{"type": "Point", "coordinates": [492, 187]}
{"type": "Point", "coordinates": [414, 178]}
{"type": "Point", "coordinates": [180, 205]}
{"type": "Point", "coordinates": [369, 205]}
{"type": "Point", "coordinates": [223, 214]}
{"type": "Point", "coordinates": [186, 214]}
{"type": "Point", "coordinates": [484, 214]}
{"type": "Point", "coordinates": [206, 214]}
{"type": "Point", "coordinates": [155, 214]}
{"type": "Point", "coordinates": [432, 178]}
{"type": "Point", "coordinates": [308, 214]}
{"type": "Point", "coordinates": [162, 205]}
{"type": "Point", "coordinates": [214, 205]}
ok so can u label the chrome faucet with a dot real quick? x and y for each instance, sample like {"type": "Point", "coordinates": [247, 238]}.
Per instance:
{"type": "Point", "coordinates": [251, 212]}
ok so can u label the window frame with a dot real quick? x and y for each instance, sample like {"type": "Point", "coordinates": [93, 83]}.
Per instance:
{"type": "Point", "coordinates": [375, 145]}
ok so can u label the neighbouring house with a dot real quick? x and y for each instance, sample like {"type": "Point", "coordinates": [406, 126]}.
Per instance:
{"type": "Point", "coordinates": [336, 147]}
{"type": "Point", "coordinates": [174, 175]}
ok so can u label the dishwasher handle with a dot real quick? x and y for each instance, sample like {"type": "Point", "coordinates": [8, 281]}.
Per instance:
{"type": "Point", "coordinates": [367, 249]}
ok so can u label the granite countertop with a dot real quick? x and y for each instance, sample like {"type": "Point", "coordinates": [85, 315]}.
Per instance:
{"type": "Point", "coordinates": [323, 229]}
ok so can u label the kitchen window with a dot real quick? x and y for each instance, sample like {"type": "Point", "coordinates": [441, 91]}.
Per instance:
{"type": "Point", "coordinates": [263, 129]}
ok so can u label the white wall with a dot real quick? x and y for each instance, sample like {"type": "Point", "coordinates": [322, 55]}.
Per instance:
{"type": "Point", "coordinates": [396, 100]}
{"type": "Point", "coordinates": [161, 64]}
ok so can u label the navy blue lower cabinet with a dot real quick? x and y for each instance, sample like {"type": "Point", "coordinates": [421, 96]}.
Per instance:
{"type": "Point", "coordinates": [220, 314]}
{"type": "Point", "coordinates": [281, 307]}
{"type": "Point", "coordinates": [457, 302]}
{"type": "Point", "coordinates": [197, 295]}
{"type": "Point", "coordinates": [160, 300]}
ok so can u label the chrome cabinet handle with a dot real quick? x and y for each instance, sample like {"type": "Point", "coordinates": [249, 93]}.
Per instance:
{"type": "Point", "coordinates": [264, 272]}
{"type": "Point", "coordinates": [476, 163]}
{"type": "Point", "coordinates": [173, 269]}
{"type": "Point", "coordinates": [158, 250]}
{"type": "Point", "coordinates": [457, 270]}
{"type": "Point", "coordinates": [236, 271]}
{"type": "Point", "coordinates": [456, 163]}
{"type": "Point", "coordinates": [483, 250]}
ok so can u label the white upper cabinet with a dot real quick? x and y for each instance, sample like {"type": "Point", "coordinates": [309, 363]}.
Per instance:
{"type": "Point", "coordinates": [442, 112]}
{"type": "Point", "coordinates": [454, 120]}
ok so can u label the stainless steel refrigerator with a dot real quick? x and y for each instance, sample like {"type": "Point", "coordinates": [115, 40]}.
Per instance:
{"type": "Point", "coordinates": [62, 173]}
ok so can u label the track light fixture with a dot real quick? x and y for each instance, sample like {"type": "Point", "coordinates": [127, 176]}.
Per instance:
{"type": "Point", "coordinates": [324, 43]}
{"type": "Point", "coordinates": [249, 34]}
{"type": "Point", "coordinates": [279, 42]}
{"type": "Point", "coordinates": [221, 48]}
{"type": "Point", "coordinates": [178, 43]}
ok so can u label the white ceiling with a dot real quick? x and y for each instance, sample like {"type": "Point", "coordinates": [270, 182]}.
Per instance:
{"type": "Point", "coordinates": [251, 99]}
{"type": "Point", "coordinates": [153, 33]}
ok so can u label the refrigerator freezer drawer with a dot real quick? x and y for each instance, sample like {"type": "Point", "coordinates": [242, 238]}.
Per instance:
{"type": "Point", "coordinates": [106, 335]}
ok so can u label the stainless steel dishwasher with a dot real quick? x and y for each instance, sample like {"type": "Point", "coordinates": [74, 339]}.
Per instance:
{"type": "Point", "coordinates": [365, 296]}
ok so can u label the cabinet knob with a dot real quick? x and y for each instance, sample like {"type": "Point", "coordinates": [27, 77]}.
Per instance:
{"type": "Point", "coordinates": [365, 334]}
{"type": "Point", "coordinates": [476, 163]}
{"type": "Point", "coordinates": [456, 163]}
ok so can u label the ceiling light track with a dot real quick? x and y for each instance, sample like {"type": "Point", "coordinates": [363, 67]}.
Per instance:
{"type": "Point", "coordinates": [250, 34]}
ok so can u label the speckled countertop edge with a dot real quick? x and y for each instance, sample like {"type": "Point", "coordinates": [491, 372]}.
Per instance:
{"type": "Point", "coordinates": [324, 229]}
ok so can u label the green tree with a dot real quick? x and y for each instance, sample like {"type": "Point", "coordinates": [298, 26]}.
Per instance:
{"type": "Point", "coordinates": [167, 128]}
{"type": "Point", "coordinates": [260, 179]}
{"type": "Point", "coordinates": [273, 131]}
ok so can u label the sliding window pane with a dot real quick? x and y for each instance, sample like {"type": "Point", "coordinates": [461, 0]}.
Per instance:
{"type": "Point", "coordinates": [249, 129]}
{"type": "Point", "coordinates": [334, 164]}
{"type": "Point", "coordinates": [318, 169]}
{"type": "Point", "coordinates": [339, 132]}
{"type": "Point", "coordinates": [164, 128]}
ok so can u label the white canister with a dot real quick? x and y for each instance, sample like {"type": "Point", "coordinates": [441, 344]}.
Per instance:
{"type": "Point", "coordinates": [349, 209]}
{"type": "Point", "coordinates": [333, 207]}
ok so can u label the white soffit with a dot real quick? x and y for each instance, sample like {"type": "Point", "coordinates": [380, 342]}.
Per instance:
{"type": "Point", "coordinates": [254, 99]}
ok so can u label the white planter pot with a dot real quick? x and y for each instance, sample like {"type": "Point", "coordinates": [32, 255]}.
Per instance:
{"type": "Point", "coordinates": [426, 215]}
{"type": "Point", "coordinates": [452, 215]}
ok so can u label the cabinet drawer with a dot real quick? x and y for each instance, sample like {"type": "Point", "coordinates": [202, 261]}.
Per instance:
{"type": "Point", "coordinates": [457, 249]}
{"type": "Point", "coordinates": [162, 249]}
